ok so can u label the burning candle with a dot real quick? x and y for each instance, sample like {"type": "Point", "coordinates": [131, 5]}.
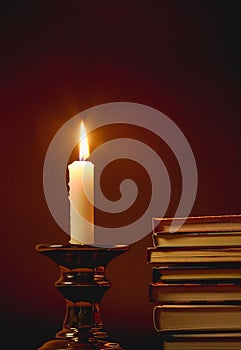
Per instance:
{"type": "Point", "coordinates": [81, 195]}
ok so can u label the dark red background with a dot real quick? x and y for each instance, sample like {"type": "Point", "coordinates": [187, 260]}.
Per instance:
{"type": "Point", "coordinates": [59, 58]}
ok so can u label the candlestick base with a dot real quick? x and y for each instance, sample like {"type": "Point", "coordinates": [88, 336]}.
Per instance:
{"type": "Point", "coordinates": [82, 283]}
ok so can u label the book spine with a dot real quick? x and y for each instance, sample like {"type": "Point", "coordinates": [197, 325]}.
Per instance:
{"type": "Point", "coordinates": [156, 274]}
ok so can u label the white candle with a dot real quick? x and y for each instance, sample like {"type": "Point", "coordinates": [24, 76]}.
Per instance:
{"type": "Point", "coordinates": [81, 195]}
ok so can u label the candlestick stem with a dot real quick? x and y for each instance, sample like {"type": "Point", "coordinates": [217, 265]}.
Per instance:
{"type": "Point", "coordinates": [82, 283]}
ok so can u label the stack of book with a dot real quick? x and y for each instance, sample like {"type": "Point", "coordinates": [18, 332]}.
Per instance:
{"type": "Point", "coordinates": [196, 282]}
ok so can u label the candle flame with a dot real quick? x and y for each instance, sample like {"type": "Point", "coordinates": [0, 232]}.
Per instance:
{"type": "Point", "coordinates": [83, 144]}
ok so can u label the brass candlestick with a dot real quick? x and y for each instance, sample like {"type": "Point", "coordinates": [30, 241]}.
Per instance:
{"type": "Point", "coordinates": [82, 283]}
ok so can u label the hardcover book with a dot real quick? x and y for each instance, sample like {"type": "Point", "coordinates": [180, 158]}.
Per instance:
{"type": "Point", "coordinates": [205, 318]}
{"type": "Point", "coordinates": [201, 341]}
{"type": "Point", "coordinates": [203, 292]}
{"type": "Point", "coordinates": [197, 239]}
{"type": "Point", "coordinates": [194, 224]}
{"type": "Point", "coordinates": [177, 255]}
{"type": "Point", "coordinates": [196, 272]}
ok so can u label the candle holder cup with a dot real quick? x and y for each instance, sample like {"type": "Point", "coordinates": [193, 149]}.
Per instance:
{"type": "Point", "coordinates": [82, 283]}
